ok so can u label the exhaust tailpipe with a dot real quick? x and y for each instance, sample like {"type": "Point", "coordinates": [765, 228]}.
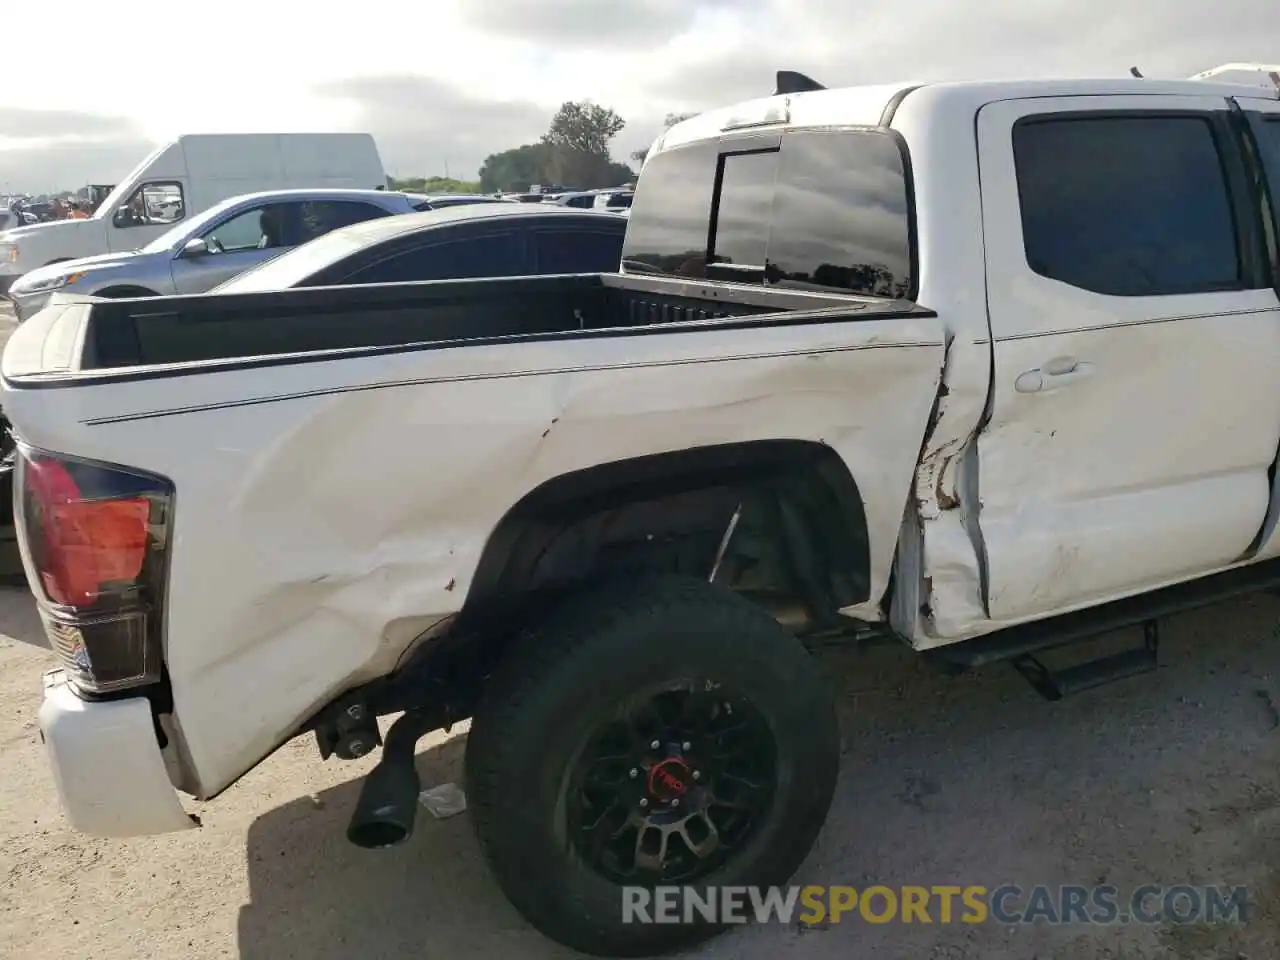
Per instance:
{"type": "Point", "coordinates": [388, 803]}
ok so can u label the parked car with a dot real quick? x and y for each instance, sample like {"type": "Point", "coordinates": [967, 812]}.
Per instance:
{"type": "Point", "coordinates": [613, 198]}
{"type": "Point", "coordinates": [604, 516]}
{"type": "Point", "coordinates": [203, 252]}
{"type": "Point", "coordinates": [467, 241]}
{"type": "Point", "coordinates": [185, 177]}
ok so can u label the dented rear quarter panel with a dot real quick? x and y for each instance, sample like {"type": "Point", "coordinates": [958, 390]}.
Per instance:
{"type": "Point", "coordinates": [327, 513]}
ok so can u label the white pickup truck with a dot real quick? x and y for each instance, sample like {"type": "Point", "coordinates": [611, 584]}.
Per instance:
{"type": "Point", "coordinates": [985, 367]}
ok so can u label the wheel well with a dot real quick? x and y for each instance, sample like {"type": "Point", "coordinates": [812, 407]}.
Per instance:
{"type": "Point", "coordinates": [58, 260]}
{"type": "Point", "coordinates": [123, 292]}
{"type": "Point", "coordinates": [801, 536]}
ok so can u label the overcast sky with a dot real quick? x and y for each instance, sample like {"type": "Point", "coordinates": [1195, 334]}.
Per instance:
{"type": "Point", "coordinates": [445, 83]}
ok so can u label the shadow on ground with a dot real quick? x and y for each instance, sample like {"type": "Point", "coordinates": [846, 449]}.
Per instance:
{"type": "Point", "coordinates": [19, 617]}
{"type": "Point", "coordinates": [1170, 778]}
{"type": "Point", "coordinates": [314, 896]}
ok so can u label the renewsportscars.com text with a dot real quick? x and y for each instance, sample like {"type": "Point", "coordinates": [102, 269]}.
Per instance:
{"type": "Point", "coordinates": [1102, 904]}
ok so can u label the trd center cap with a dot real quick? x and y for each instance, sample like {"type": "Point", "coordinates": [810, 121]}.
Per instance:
{"type": "Point", "coordinates": [669, 780]}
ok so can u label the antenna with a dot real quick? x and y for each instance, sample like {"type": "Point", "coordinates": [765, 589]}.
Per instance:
{"type": "Point", "coordinates": [1134, 71]}
{"type": "Point", "coordinates": [789, 81]}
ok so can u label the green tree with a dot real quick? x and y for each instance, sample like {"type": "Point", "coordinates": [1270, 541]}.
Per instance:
{"type": "Point", "coordinates": [584, 126]}
{"type": "Point", "coordinates": [585, 170]}
{"type": "Point", "coordinates": [434, 185]}
{"type": "Point", "coordinates": [515, 169]}
{"type": "Point", "coordinates": [669, 121]}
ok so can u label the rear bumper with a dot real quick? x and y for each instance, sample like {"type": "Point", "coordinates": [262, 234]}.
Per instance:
{"type": "Point", "coordinates": [107, 765]}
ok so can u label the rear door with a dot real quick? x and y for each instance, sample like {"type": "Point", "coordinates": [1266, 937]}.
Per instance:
{"type": "Point", "coordinates": [1136, 349]}
{"type": "Point", "coordinates": [578, 247]}
{"type": "Point", "coordinates": [319, 217]}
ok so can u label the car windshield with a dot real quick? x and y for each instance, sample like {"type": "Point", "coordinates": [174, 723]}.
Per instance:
{"type": "Point", "coordinates": [291, 268]}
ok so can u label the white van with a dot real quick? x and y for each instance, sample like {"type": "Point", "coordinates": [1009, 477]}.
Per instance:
{"type": "Point", "coordinates": [186, 177]}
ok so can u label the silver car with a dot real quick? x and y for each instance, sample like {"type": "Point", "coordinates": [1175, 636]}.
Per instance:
{"type": "Point", "coordinates": [198, 254]}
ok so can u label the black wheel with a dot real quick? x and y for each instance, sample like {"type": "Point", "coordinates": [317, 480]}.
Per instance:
{"type": "Point", "coordinates": [665, 733]}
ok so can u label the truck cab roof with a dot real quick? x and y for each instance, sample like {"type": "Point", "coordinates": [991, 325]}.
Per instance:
{"type": "Point", "coordinates": [874, 105]}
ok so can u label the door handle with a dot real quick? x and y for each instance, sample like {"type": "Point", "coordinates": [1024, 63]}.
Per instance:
{"type": "Point", "coordinates": [1058, 372]}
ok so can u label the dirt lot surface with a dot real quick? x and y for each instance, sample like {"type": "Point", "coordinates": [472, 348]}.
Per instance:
{"type": "Point", "coordinates": [1167, 779]}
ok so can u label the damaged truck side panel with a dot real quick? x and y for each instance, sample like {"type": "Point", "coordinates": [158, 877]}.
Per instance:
{"type": "Point", "coordinates": [335, 589]}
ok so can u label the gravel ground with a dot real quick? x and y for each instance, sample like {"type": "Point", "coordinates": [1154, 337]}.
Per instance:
{"type": "Point", "coordinates": [1166, 779]}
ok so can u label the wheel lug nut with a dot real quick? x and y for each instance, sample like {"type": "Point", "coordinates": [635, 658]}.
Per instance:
{"type": "Point", "coordinates": [655, 745]}
{"type": "Point", "coordinates": [675, 803]}
{"type": "Point", "coordinates": [686, 745]}
{"type": "Point", "coordinates": [697, 774]}
{"type": "Point", "coordinates": [644, 802]}
{"type": "Point", "coordinates": [634, 773]}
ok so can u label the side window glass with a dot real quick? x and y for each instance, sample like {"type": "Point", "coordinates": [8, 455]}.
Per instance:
{"type": "Point", "coordinates": [1126, 206]}
{"type": "Point", "coordinates": [577, 251]}
{"type": "Point", "coordinates": [158, 203]}
{"type": "Point", "coordinates": [842, 215]}
{"type": "Point", "coordinates": [261, 228]}
{"type": "Point", "coordinates": [496, 255]}
{"type": "Point", "coordinates": [321, 216]}
{"type": "Point", "coordinates": [1267, 130]}
{"type": "Point", "coordinates": [671, 212]}
{"type": "Point", "coordinates": [824, 210]}
{"type": "Point", "coordinates": [740, 240]}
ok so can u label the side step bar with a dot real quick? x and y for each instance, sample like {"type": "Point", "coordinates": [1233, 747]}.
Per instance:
{"type": "Point", "coordinates": [1056, 684]}
{"type": "Point", "coordinates": [1021, 644]}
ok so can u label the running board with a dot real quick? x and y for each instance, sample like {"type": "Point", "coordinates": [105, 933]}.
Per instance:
{"type": "Point", "coordinates": [1063, 682]}
{"type": "Point", "coordinates": [1029, 639]}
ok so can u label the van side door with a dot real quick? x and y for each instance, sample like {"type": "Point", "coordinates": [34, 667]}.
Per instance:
{"type": "Point", "coordinates": [1135, 340]}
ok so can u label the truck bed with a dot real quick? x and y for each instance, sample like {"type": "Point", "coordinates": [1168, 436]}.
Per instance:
{"type": "Point", "coordinates": [265, 328]}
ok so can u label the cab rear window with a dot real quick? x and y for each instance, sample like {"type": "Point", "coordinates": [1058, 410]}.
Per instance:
{"type": "Point", "coordinates": [824, 210]}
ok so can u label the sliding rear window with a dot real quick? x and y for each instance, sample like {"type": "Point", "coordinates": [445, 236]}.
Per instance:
{"type": "Point", "coordinates": [820, 210]}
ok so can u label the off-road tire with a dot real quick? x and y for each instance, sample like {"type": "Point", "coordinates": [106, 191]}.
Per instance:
{"type": "Point", "coordinates": [566, 675]}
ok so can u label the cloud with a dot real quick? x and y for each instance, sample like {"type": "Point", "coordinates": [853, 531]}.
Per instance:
{"type": "Point", "coordinates": [17, 123]}
{"type": "Point", "coordinates": [587, 24]}
{"type": "Point", "coordinates": [839, 44]}
{"type": "Point", "coordinates": [423, 124]}
{"type": "Point", "coordinates": [65, 149]}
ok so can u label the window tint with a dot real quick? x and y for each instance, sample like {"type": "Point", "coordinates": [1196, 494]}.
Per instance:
{"type": "Point", "coordinates": [671, 212]}
{"type": "Point", "coordinates": [260, 228]}
{"type": "Point", "coordinates": [823, 210]}
{"type": "Point", "coordinates": [839, 223]}
{"type": "Point", "coordinates": [1270, 132]}
{"type": "Point", "coordinates": [1267, 130]}
{"type": "Point", "coordinates": [1126, 206]}
{"type": "Point", "coordinates": [496, 255]}
{"type": "Point", "coordinates": [321, 216]}
{"type": "Point", "coordinates": [744, 219]}
{"type": "Point", "coordinates": [577, 251]}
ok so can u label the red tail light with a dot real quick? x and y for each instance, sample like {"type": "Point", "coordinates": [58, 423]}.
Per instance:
{"type": "Point", "coordinates": [93, 539]}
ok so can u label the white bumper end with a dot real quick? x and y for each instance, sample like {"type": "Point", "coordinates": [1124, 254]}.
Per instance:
{"type": "Point", "coordinates": [107, 764]}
